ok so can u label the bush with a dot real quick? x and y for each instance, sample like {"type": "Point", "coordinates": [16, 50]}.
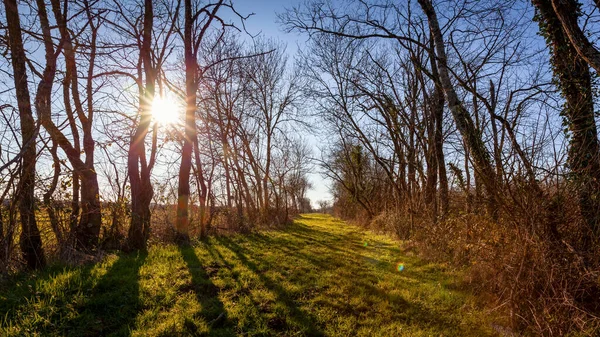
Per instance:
{"type": "Point", "coordinates": [401, 225]}
{"type": "Point", "coordinates": [533, 263]}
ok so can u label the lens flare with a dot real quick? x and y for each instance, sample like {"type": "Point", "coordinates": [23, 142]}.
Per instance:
{"type": "Point", "coordinates": [400, 266]}
{"type": "Point", "coordinates": [366, 244]}
{"type": "Point", "coordinates": [166, 110]}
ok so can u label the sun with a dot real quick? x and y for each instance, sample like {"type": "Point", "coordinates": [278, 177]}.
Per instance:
{"type": "Point", "coordinates": [166, 110]}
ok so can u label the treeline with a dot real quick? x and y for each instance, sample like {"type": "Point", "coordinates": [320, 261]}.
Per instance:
{"type": "Point", "coordinates": [86, 160]}
{"type": "Point", "coordinates": [469, 127]}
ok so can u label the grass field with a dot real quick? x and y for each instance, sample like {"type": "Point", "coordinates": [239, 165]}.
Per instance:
{"type": "Point", "coordinates": [316, 277]}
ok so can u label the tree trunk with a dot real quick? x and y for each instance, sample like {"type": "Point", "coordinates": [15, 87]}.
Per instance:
{"type": "Point", "coordinates": [203, 195]}
{"type": "Point", "coordinates": [462, 118]}
{"type": "Point", "coordinates": [265, 187]}
{"type": "Point", "coordinates": [88, 229]}
{"type": "Point", "coordinates": [54, 221]}
{"type": "Point", "coordinates": [439, 149]}
{"type": "Point", "coordinates": [437, 107]}
{"type": "Point", "coordinates": [575, 83]}
{"type": "Point", "coordinates": [431, 159]}
{"type": "Point", "coordinates": [183, 190]}
{"type": "Point", "coordinates": [30, 240]}
{"type": "Point", "coordinates": [137, 167]}
{"type": "Point", "coordinates": [141, 196]}
{"type": "Point", "coordinates": [566, 11]}
{"type": "Point", "coordinates": [90, 221]}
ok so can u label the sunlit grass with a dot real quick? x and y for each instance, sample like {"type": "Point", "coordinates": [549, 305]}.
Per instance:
{"type": "Point", "coordinates": [315, 278]}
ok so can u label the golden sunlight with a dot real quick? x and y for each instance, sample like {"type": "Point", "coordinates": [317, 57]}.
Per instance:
{"type": "Point", "coordinates": [166, 110]}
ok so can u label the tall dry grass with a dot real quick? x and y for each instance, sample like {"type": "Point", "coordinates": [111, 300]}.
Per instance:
{"type": "Point", "coordinates": [534, 264]}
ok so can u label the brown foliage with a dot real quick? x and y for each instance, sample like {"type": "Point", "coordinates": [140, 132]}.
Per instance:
{"type": "Point", "coordinates": [545, 285]}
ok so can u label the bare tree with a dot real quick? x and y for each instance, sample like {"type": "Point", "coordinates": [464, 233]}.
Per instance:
{"type": "Point", "coordinates": [273, 97]}
{"type": "Point", "coordinates": [30, 241]}
{"type": "Point", "coordinates": [195, 30]}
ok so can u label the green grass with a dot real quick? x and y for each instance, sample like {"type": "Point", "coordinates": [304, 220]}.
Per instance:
{"type": "Point", "coordinates": [316, 277]}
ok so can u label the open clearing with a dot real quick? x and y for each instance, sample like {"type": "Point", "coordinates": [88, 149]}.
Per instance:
{"type": "Point", "coordinates": [316, 277]}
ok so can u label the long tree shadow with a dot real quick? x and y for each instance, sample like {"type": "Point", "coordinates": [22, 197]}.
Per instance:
{"type": "Point", "coordinates": [22, 291]}
{"type": "Point", "coordinates": [352, 267]}
{"type": "Point", "coordinates": [114, 302]}
{"type": "Point", "coordinates": [207, 294]}
{"type": "Point", "coordinates": [292, 248]}
{"type": "Point", "coordinates": [298, 317]}
{"type": "Point", "coordinates": [409, 312]}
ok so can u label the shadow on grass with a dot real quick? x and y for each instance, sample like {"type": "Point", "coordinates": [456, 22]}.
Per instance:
{"type": "Point", "coordinates": [113, 303]}
{"type": "Point", "coordinates": [207, 294]}
{"type": "Point", "coordinates": [363, 283]}
{"type": "Point", "coordinates": [292, 249]}
{"type": "Point", "coordinates": [297, 317]}
{"type": "Point", "coordinates": [303, 243]}
{"type": "Point", "coordinates": [19, 293]}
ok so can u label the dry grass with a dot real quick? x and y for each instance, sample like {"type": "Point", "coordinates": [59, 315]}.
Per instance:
{"type": "Point", "coordinates": [543, 285]}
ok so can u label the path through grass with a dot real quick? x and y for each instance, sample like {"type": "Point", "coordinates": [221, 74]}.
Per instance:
{"type": "Point", "coordinates": [317, 277]}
